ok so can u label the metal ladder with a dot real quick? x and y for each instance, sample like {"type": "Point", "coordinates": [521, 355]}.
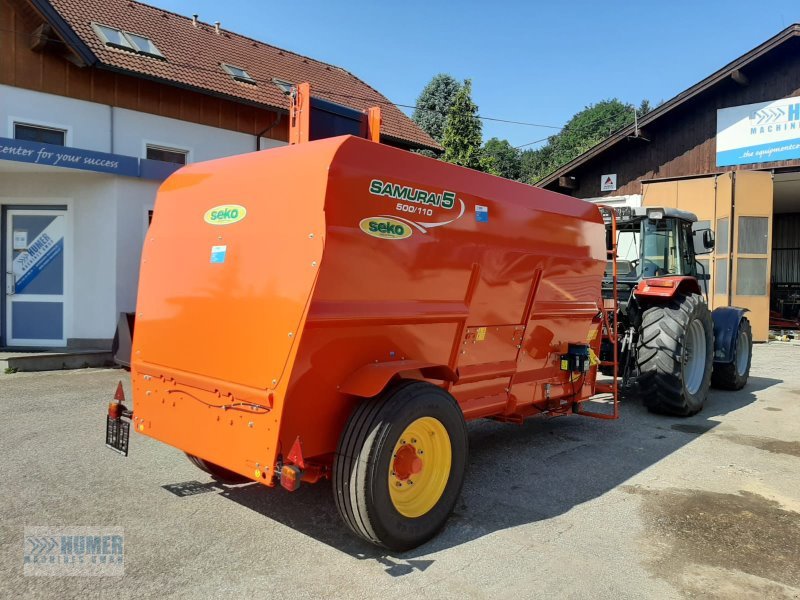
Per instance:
{"type": "Point", "coordinates": [608, 311]}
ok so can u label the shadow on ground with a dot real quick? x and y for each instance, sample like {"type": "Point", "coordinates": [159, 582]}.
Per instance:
{"type": "Point", "coordinates": [516, 475]}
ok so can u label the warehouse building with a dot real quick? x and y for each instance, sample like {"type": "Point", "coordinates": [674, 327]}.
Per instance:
{"type": "Point", "coordinates": [728, 150]}
{"type": "Point", "coordinates": [100, 100]}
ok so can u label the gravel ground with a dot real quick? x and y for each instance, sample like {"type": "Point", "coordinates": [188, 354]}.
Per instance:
{"type": "Point", "coordinates": [646, 506]}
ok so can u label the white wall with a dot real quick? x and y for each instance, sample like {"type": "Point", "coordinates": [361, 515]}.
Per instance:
{"type": "Point", "coordinates": [134, 197]}
{"type": "Point", "coordinates": [89, 126]}
{"type": "Point", "coordinates": [87, 123]}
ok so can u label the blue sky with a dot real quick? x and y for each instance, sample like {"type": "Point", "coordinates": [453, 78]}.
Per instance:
{"type": "Point", "coordinates": [529, 61]}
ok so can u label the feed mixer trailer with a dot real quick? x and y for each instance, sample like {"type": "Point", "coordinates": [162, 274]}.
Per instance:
{"type": "Point", "coordinates": [338, 309]}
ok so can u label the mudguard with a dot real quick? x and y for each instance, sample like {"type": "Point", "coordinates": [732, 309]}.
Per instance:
{"type": "Point", "coordinates": [726, 325]}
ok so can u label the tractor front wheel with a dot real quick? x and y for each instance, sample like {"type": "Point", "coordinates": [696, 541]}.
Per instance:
{"type": "Point", "coordinates": [400, 465]}
{"type": "Point", "coordinates": [675, 352]}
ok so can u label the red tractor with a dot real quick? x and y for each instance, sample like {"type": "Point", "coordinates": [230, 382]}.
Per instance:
{"type": "Point", "coordinates": [671, 348]}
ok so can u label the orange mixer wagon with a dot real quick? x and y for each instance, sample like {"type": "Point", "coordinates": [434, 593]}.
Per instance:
{"type": "Point", "coordinates": [339, 308]}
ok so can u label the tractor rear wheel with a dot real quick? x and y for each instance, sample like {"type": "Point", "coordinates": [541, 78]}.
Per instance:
{"type": "Point", "coordinates": [400, 465]}
{"type": "Point", "coordinates": [734, 375]}
{"type": "Point", "coordinates": [220, 473]}
{"type": "Point", "coordinates": [675, 352]}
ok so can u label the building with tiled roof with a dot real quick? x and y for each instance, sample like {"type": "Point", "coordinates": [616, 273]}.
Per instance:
{"type": "Point", "coordinates": [99, 101]}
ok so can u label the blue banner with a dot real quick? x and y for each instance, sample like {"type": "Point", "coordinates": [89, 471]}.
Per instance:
{"type": "Point", "coordinates": [71, 158]}
{"type": "Point", "coordinates": [782, 150]}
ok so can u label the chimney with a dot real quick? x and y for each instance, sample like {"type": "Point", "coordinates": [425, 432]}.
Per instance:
{"type": "Point", "coordinates": [216, 27]}
{"type": "Point", "coordinates": [194, 20]}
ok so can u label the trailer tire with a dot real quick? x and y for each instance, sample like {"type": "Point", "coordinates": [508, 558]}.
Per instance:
{"type": "Point", "coordinates": [375, 465]}
{"type": "Point", "coordinates": [734, 375]}
{"type": "Point", "coordinates": [674, 353]}
{"type": "Point", "coordinates": [221, 473]}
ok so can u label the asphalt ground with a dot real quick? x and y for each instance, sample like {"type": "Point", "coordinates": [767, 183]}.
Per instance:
{"type": "Point", "coordinates": [643, 507]}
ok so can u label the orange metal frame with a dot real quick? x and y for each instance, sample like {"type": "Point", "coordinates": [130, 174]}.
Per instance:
{"type": "Point", "coordinates": [610, 330]}
{"type": "Point", "coordinates": [334, 268]}
{"type": "Point", "coordinates": [300, 117]}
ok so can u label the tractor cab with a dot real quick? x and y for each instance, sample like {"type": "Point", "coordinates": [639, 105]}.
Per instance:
{"type": "Point", "coordinates": [654, 242]}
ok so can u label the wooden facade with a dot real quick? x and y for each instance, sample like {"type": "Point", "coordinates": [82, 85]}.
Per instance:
{"type": "Point", "coordinates": [53, 69]}
{"type": "Point", "coordinates": [682, 142]}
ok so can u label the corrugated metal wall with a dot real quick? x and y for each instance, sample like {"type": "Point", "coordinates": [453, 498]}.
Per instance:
{"type": "Point", "coordinates": [786, 248]}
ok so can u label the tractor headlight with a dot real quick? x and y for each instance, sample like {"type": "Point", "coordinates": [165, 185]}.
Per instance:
{"type": "Point", "coordinates": [655, 213]}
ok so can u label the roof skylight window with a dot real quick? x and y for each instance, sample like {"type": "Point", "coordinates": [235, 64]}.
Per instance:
{"type": "Point", "coordinates": [283, 86]}
{"type": "Point", "coordinates": [125, 40]}
{"type": "Point", "coordinates": [143, 44]}
{"type": "Point", "coordinates": [237, 73]}
{"type": "Point", "coordinates": [112, 37]}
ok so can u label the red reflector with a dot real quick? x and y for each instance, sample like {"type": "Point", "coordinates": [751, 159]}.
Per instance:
{"type": "Point", "coordinates": [665, 283]}
{"type": "Point", "coordinates": [119, 395]}
{"type": "Point", "coordinates": [114, 410]}
{"type": "Point", "coordinates": [290, 477]}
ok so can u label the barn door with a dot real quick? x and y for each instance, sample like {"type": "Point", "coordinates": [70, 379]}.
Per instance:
{"type": "Point", "coordinates": [698, 195]}
{"type": "Point", "coordinates": [752, 247]}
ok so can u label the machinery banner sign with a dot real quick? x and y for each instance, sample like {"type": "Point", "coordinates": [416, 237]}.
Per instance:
{"type": "Point", "coordinates": [40, 253]}
{"type": "Point", "coordinates": [757, 133]}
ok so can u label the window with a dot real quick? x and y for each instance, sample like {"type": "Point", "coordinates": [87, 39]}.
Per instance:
{"type": "Point", "coordinates": [753, 235]}
{"type": "Point", "coordinates": [126, 40]}
{"type": "Point", "coordinates": [722, 235]}
{"type": "Point", "coordinates": [237, 73]}
{"type": "Point", "coordinates": [144, 45]}
{"type": "Point", "coordinates": [170, 155]}
{"type": "Point", "coordinates": [37, 133]}
{"type": "Point", "coordinates": [283, 86]}
{"type": "Point", "coordinates": [112, 37]}
{"type": "Point", "coordinates": [660, 253]}
{"type": "Point", "coordinates": [751, 276]}
{"type": "Point", "coordinates": [721, 276]}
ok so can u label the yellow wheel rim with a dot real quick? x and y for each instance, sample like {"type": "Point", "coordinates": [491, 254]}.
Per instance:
{"type": "Point", "coordinates": [420, 467]}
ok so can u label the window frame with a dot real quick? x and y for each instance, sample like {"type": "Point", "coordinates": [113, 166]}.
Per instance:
{"type": "Point", "coordinates": [148, 144]}
{"type": "Point", "coordinates": [14, 121]}
{"type": "Point", "coordinates": [130, 44]}
{"type": "Point", "coordinates": [157, 54]}
{"type": "Point", "coordinates": [246, 78]}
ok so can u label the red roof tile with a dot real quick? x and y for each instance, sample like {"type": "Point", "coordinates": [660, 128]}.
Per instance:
{"type": "Point", "coordinates": [194, 53]}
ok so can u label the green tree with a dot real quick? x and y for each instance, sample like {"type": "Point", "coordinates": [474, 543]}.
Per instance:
{"type": "Point", "coordinates": [584, 130]}
{"type": "Point", "coordinates": [505, 160]}
{"type": "Point", "coordinates": [463, 132]}
{"type": "Point", "coordinates": [434, 103]}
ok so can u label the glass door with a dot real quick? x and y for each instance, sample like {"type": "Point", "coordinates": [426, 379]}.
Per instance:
{"type": "Point", "coordinates": [34, 278]}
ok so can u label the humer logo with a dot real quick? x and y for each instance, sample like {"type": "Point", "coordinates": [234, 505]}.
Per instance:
{"type": "Point", "coordinates": [78, 551]}
{"type": "Point", "coordinates": [780, 118]}
{"type": "Point", "coordinates": [758, 133]}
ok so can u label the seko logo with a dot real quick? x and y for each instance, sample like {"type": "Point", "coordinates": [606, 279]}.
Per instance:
{"type": "Point", "coordinates": [225, 214]}
{"type": "Point", "coordinates": [385, 228]}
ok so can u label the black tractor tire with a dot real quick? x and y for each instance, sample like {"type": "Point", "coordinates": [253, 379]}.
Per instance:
{"type": "Point", "coordinates": [219, 473]}
{"type": "Point", "coordinates": [734, 375]}
{"type": "Point", "coordinates": [366, 459]}
{"type": "Point", "coordinates": [667, 359]}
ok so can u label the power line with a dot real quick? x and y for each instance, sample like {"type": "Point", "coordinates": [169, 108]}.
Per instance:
{"type": "Point", "coordinates": [373, 101]}
{"type": "Point", "coordinates": [321, 91]}
{"type": "Point", "coordinates": [585, 126]}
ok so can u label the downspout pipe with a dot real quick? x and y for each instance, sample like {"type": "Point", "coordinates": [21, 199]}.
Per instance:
{"type": "Point", "coordinates": [260, 134]}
